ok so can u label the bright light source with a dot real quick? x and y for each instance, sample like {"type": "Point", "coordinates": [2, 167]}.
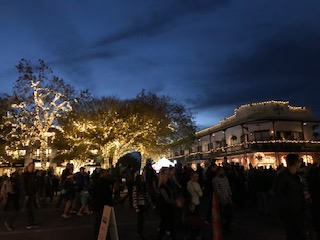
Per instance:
{"type": "Point", "coordinates": [163, 162]}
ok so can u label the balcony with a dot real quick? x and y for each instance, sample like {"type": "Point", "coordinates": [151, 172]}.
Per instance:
{"type": "Point", "coordinates": [272, 147]}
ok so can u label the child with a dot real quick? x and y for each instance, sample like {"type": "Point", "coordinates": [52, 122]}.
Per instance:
{"type": "Point", "coordinates": [84, 197]}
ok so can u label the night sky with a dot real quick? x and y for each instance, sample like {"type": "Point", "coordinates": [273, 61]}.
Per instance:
{"type": "Point", "coordinates": [211, 56]}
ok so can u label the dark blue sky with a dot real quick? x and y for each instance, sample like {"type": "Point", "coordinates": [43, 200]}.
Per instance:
{"type": "Point", "coordinates": [212, 56]}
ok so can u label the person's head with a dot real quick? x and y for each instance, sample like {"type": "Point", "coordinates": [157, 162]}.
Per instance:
{"type": "Point", "coordinates": [30, 167]}
{"type": "Point", "coordinates": [220, 171]}
{"type": "Point", "coordinates": [172, 170]}
{"type": "Point", "coordinates": [165, 169]}
{"type": "Point", "coordinates": [214, 167]}
{"type": "Point", "coordinates": [163, 177]}
{"type": "Point", "coordinates": [13, 176]}
{"type": "Point", "coordinates": [148, 161]}
{"type": "Point", "coordinates": [103, 173]}
{"type": "Point", "coordinates": [293, 161]}
{"type": "Point", "coordinates": [82, 169]}
{"type": "Point", "coordinates": [194, 176]}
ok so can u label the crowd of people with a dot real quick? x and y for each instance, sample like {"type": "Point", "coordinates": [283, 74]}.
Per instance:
{"type": "Point", "coordinates": [180, 195]}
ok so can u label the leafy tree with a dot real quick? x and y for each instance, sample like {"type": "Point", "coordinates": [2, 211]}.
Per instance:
{"type": "Point", "coordinates": [93, 126]}
{"type": "Point", "coordinates": [174, 124]}
{"type": "Point", "coordinates": [148, 124]}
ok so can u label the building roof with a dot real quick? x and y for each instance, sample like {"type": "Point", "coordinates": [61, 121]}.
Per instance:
{"type": "Point", "coordinates": [261, 111]}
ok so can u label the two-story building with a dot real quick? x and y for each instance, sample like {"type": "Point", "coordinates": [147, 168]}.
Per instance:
{"type": "Point", "coordinates": [258, 133]}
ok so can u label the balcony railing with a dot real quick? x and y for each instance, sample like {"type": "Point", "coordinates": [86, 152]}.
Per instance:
{"type": "Point", "coordinates": [261, 146]}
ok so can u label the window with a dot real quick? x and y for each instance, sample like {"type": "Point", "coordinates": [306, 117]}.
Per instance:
{"type": "Point", "coordinates": [289, 135]}
{"type": "Point", "coordinates": [262, 135]}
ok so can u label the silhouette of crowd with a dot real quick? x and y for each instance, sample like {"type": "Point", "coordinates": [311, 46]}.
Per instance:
{"type": "Point", "coordinates": [180, 195]}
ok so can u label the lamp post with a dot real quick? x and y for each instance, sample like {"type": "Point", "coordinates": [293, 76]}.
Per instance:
{"type": "Point", "coordinates": [304, 140]}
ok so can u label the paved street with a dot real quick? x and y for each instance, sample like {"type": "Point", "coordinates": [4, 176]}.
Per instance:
{"type": "Point", "coordinates": [248, 225]}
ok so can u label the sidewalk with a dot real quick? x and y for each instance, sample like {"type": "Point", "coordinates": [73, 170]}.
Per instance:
{"type": "Point", "coordinates": [248, 225]}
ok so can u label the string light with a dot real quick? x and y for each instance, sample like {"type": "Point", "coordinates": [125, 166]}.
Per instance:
{"type": "Point", "coordinates": [33, 121]}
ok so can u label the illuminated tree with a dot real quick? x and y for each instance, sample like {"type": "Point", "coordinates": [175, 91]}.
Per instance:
{"type": "Point", "coordinates": [171, 124]}
{"type": "Point", "coordinates": [92, 126]}
{"type": "Point", "coordinates": [148, 124]}
{"type": "Point", "coordinates": [4, 128]}
{"type": "Point", "coordinates": [40, 99]}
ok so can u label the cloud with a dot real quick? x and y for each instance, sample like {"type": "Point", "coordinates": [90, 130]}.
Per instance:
{"type": "Point", "coordinates": [149, 27]}
{"type": "Point", "coordinates": [160, 20]}
{"type": "Point", "coordinates": [286, 66]}
{"type": "Point", "coordinates": [281, 67]}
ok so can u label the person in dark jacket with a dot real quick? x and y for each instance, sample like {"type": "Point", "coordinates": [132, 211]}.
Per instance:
{"type": "Point", "coordinates": [289, 192]}
{"type": "Point", "coordinates": [13, 198]}
{"type": "Point", "coordinates": [209, 174]}
{"type": "Point", "coordinates": [102, 195]}
{"type": "Point", "coordinates": [167, 204]}
{"type": "Point", "coordinates": [140, 198]}
{"type": "Point", "coordinates": [150, 178]}
{"type": "Point", "coordinates": [65, 173]}
{"type": "Point", "coordinates": [29, 190]}
{"type": "Point", "coordinates": [314, 181]}
{"type": "Point", "coordinates": [129, 175]}
{"type": "Point", "coordinates": [80, 181]}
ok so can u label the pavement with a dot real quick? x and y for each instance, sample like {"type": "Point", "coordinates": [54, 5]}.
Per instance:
{"type": "Point", "coordinates": [248, 225]}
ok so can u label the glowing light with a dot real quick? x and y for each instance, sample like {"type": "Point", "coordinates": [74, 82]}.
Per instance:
{"type": "Point", "coordinates": [37, 164]}
{"type": "Point", "coordinates": [33, 120]}
{"type": "Point", "coordinates": [283, 161]}
{"type": "Point", "coordinates": [308, 159]}
{"type": "Point", "coordinates": [251, 106]}
{"type": "Point", "coordinates": [163, 162]}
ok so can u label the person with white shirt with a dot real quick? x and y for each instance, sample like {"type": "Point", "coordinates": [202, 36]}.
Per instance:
{"type": "Point", "coordinates": [195, 190]}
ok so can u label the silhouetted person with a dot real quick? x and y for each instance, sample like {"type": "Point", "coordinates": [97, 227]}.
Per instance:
{"type": "Point", "coordinates": [29, 186]}
{"type": "Point", "coordinates": [129, 175]}
{"type": "Point", "coordinates": [289, 193]}
{"type": "Point", "coordinates": [222, 188]}
{"type": "Point", "coordinates": [102, 195]}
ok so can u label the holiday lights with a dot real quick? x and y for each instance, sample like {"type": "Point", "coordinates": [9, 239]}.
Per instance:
{"type": "Point", "coordinates": [215, 150]}
{"type": "Point", "coordinates": [35, 113]}
{"type": "Point", "coordinates": [269, 104]}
